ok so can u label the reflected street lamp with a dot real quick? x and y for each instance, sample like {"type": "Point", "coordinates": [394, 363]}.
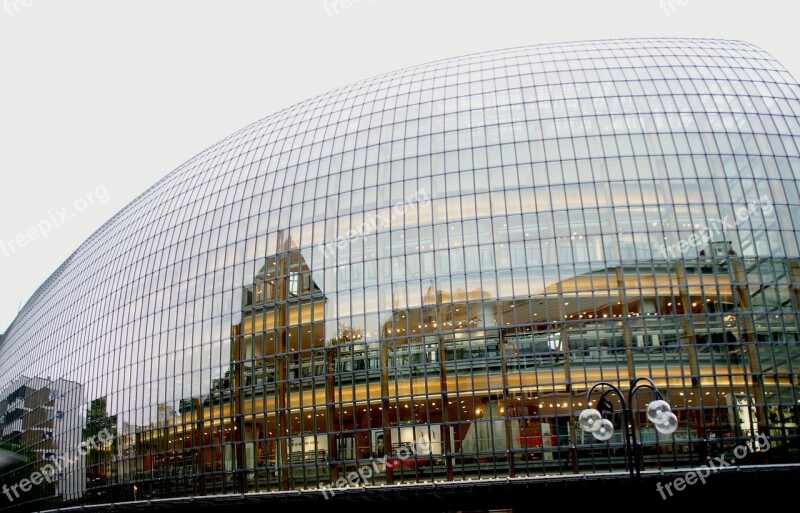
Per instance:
{"type": "Point", "coordinates": [659, 413]}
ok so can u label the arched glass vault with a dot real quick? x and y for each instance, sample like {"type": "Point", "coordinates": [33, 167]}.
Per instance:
{"type": "Point", "coordinates": [417, 278]}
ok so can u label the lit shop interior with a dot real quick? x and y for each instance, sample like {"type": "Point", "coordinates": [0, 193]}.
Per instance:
{"type": "Point", "coordinates": [466, 385]}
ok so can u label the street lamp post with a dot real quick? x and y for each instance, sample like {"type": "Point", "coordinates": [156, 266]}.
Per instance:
{"type": "Point", "coordinates": [659, 413]}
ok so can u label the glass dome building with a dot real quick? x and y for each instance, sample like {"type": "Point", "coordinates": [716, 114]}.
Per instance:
{"type": "Point", "coordinates": [416, 278]}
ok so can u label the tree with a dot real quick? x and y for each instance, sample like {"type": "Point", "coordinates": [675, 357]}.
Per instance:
{"type": "Point", "coordinates": [99, 426]}
{"type": "Point", "coordinates": [98, 420]}
{"type": "Point", "coordinates": [347, 334]}
{"type": "Point", "coordinates": [23, 469]}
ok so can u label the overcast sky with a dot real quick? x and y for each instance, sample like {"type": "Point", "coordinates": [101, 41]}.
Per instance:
{"type": "Point", "coordinates": [100, 99]}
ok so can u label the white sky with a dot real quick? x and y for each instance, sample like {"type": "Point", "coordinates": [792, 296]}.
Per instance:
{"type": "Point", "coordinates": [99, 96]}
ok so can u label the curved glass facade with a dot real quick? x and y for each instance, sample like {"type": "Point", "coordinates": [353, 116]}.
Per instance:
{"type": "Point", "coordinates": [429, 269]}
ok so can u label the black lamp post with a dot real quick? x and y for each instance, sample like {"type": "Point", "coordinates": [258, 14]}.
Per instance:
{"type": "Point", "coordinates": [659, 413]}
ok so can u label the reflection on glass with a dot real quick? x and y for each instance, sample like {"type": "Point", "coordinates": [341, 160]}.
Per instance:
{"type": "Point", "coordinates": [433, 274]}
